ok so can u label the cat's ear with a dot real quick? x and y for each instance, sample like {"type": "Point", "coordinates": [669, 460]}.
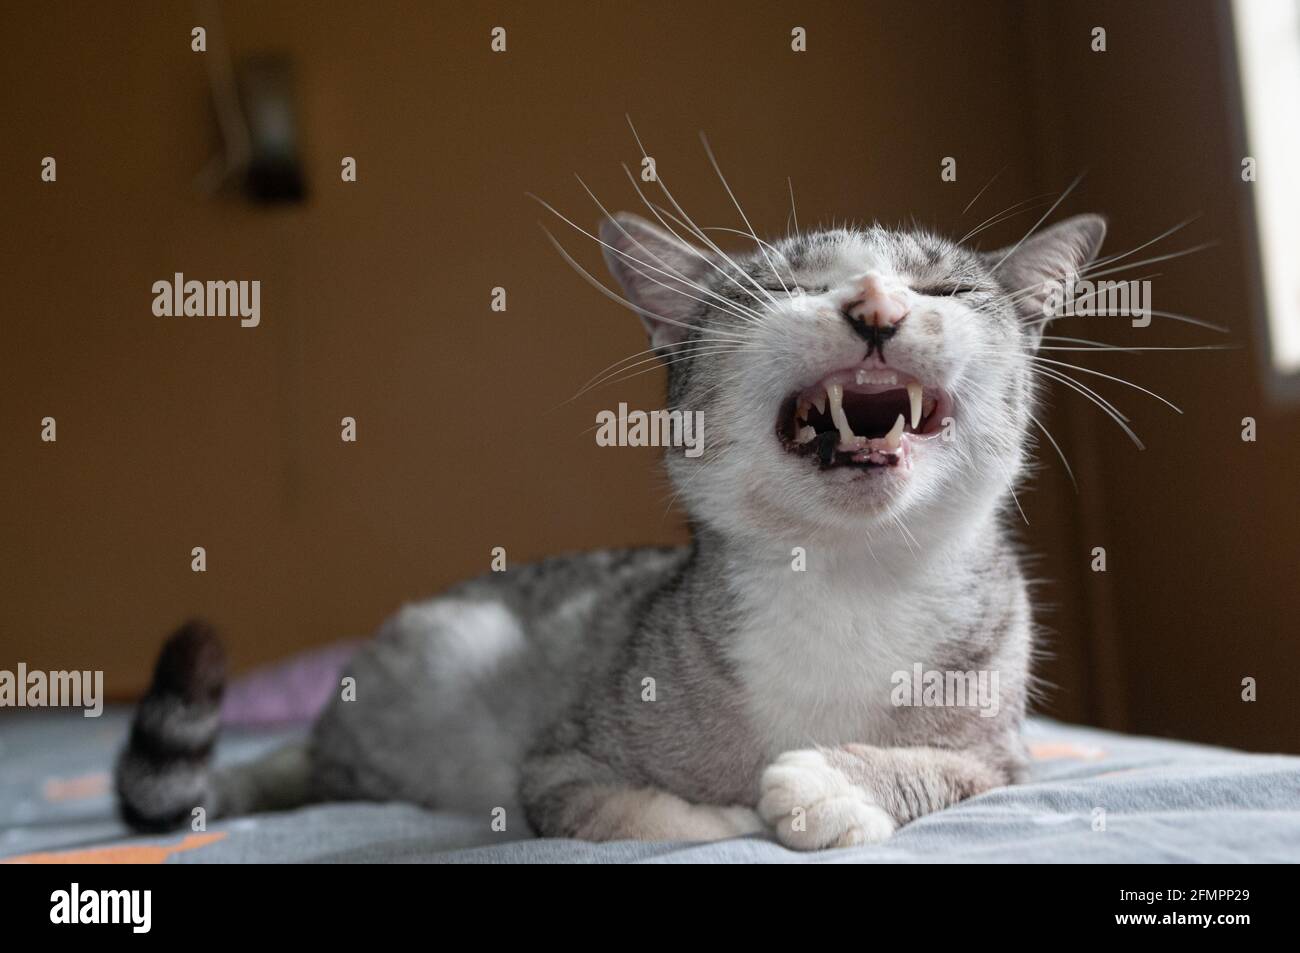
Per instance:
{"type": "Point", "coordinates": [1038, 270]}
{"type": "Point", "coordinates": [658, 273]}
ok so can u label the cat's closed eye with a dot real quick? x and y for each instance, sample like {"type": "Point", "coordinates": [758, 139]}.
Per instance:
{"type": "Point", "coordinates": [797, 289]}
{"type": "Point", "coordinates": [944, 291]}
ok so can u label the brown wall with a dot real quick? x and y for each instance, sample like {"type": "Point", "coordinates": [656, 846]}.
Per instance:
{"type": "Point", "coordinates": [182, 432]}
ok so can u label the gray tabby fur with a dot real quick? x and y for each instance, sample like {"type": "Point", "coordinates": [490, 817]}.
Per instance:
{"type": "Point", "coordinates": [525, 689]}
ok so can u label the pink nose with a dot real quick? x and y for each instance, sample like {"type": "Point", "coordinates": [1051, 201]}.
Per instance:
{"type": "Point", "coordinates": [875, 305]}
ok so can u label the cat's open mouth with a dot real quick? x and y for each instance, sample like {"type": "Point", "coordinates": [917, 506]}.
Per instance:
{"type": "Point", "coordinates": [861, 416]}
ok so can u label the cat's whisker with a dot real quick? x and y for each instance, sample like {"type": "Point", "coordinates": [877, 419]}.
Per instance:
{"type": "Point", "coordinates": [663, 187]}
{"type": "Point", "coordinates": [1026, 292]}
{"type": "Point", "coordinates": [1048, 434]}
{"type": "Point", "coordinates": [654, 210]}
{"type": "Point", "coordinates": [676, 347]}
{"type": "Point", "coordinates": [677, 274]}
{"type": "Point", "coordinates": [1130, 350]}
{"type": "Point", "coordinates": [614, 296]}
{"type": "Point", "coordinates": [983, 190]}
{"type": "Point", "coordinates": [703, 237]}
{"type": "Point", "coordinates": [1100, 401]}
{"type": "Point", "coordinates": [656, 363]}
{"type": "Point", "coordinates": [632, 259]}
{"type": "Point", "coordinates": [790, 182]}
{"type": "Point", "coordinates": [1009, 212]}
{"type": "Point", "coordinates": [1111, 259]}
{"type": "Point", "coordinates": [723, 179]}
{"type": "Point", "coordinates": [908, 539]}
{"type": "Point", "coordinates": [720, 228]}
{"type": "Point", "coordinates": [681, 349]}
{"type": "Point", "coordinates": [1112, 377]}
{"type": "Point", "coordinates": [1092, 271]}
{"type": "Point", "coordinates": [1011, 487]}
{"type": "Point", "coordinates": [737, 231]}
{"type": "Point", "coordinates": [1014, 248]}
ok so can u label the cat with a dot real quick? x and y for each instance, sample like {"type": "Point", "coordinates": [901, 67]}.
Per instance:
{"type": "Point", "coordinates": [868, 394]}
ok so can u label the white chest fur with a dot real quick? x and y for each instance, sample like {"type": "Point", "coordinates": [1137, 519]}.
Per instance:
{"type": "Point", "coordinates": [820, 648]}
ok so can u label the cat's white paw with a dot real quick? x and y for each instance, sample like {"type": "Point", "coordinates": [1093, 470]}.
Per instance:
{"type": "Point", "coordinates": [811, 805]}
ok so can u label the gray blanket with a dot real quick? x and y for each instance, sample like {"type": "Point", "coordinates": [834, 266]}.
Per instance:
{"type": "Point", "coordinates": [1094, 796]}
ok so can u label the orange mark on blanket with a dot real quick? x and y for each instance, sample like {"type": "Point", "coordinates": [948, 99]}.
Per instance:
{"type": "Point", "coordinates": [1047, 751]}
{"type": "Point", "coordinates": [75, 789]}
{"type": "Point", "coordinates": [119, 853]}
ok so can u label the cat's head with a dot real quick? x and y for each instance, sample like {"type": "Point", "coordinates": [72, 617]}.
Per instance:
{"type": "Point", "coordinates": [848, 379]}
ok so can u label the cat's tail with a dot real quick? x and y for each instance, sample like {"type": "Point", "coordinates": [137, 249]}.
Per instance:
{"type": "Point", "coordinates": [165, 772]}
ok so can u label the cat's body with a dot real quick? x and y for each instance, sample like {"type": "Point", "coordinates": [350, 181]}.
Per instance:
{"type": "Point", "coordinates": [746, 680]}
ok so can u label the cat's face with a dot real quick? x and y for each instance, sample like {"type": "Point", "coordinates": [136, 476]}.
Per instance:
{"type": "Point", "coordinates": [848, 379]}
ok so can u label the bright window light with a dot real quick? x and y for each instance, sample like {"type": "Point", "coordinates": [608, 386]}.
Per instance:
{"type": "Point", "coordinates": [1268, 56]}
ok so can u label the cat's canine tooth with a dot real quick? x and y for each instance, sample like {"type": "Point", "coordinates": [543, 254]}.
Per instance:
{"type": "Point", "coordinates": [914, 394]}
{"type": "Point", "coordinates": [805, 434]}
{"type": "Point", "coordinates": [894, 439]}
{"type": "Point", "coordinates": [836, 394]}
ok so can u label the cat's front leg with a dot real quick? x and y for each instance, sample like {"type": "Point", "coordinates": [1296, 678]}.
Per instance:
{"type": "Point", "coordinates": [858, 794]}
{"type": "Point", "coordinates": [568, 794]}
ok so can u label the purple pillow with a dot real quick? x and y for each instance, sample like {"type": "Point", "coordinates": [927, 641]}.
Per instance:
{"type": "Point", "coordinates": [291, 691]}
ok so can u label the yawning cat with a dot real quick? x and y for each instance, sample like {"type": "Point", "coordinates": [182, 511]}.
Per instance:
{"type": "Point", "coordinates": [867, 394]}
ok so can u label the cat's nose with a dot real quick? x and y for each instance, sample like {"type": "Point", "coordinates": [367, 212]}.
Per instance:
{"type": "Point", "coordinates": [874, 305]}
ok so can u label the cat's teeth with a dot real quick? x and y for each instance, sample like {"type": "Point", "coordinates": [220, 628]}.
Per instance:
{"type": "Point", "coordinates": [836, 394]}
{"type": "Point", "coordinates": [805, 434]}
{"type": "Point", "coordinates": [801, 412]}
{"type": "Point", "coordinates": [914, 395]}
{"type": "Point", "coordinates": [894, 439]}
{"type": "Point", "coordinates": [820, 403]}
{"type": "Point", "coordinates": [881, 378]}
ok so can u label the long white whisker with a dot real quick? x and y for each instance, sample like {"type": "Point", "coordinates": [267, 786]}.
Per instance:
{"type": "Point", "coordinates": [1112, 377]}
{"type": "Point", "coordinates": [622, 254]}
{"type": "Point", "coordinates": [697, 349]}
{"type": "Point", "coordinates": [743, 217]}
{"type": "Point", "coordinates": [1012, 251]}
{"type": "Point", "coordinates": [1011, 211]}
{"type": "Point", "coordinates": [1091, 271]}
{"type": "Point", "coordinates": [1111, 259]}
{"type": "Point", "coordinates": [614, 296]}
{"type": "Point", "coordinates": [1048, 434]}
{"type": "Point", "coordinates": [983, 190]}
{"type": "Point", "coordinates": [654, 210]}
{"type": "Point", "coordinates": [1092, 395]}
{"type": "Point", "coordinates": [663, 187]}
{"type": "Point", "coordinates": [726, 304]}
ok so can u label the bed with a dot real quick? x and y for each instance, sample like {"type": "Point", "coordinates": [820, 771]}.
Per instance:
{"type": "Point", "coordinates": [1093, 796]}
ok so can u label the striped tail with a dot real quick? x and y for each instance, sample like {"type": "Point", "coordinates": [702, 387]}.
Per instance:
{"type": "Point", "coordinates": [163, 774]}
